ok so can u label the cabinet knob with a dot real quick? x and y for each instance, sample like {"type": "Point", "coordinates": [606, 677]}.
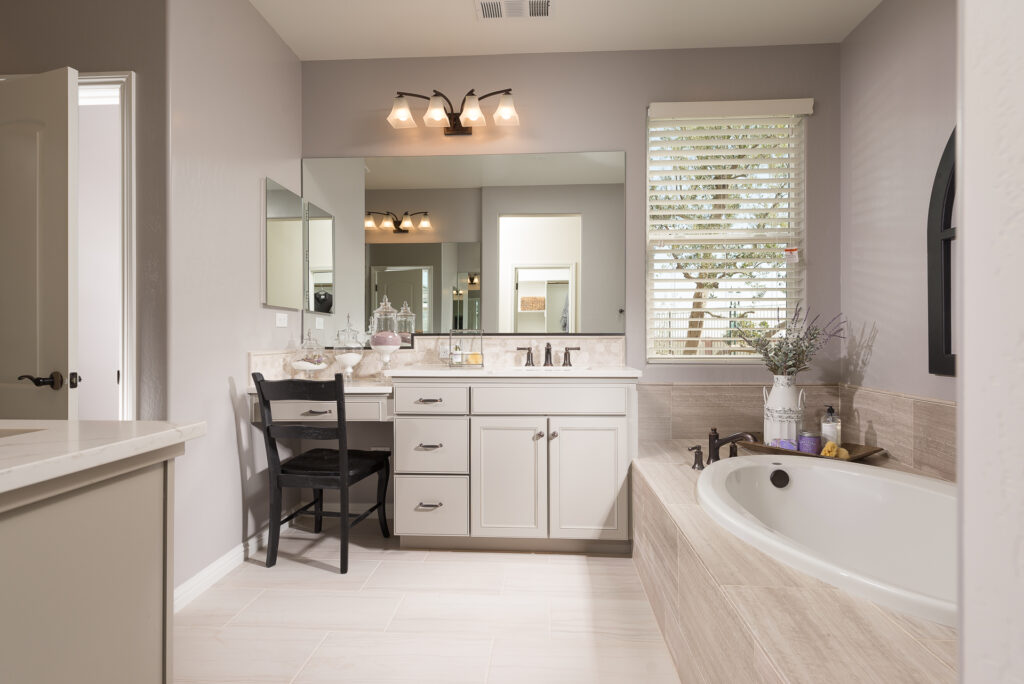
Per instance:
{"type": "Point", "coordinates": [554, 434]}
{"type": "Point", "coordinates": [539, 435]}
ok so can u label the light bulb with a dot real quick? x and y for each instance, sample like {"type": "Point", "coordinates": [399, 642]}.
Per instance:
{"type": "Point", "coordinates": [406, 223]}
{"type": "Point", "coordinates": [436, 116]}
{"type": "Point", "coordinates": [401, 116]}
{"type": "Point", "coordinates": [387, 223]}
{"type": "Point", "coordinates": [369, 223]}
{"type": "Point", "coordinates": [471, 114]}
{"type": "Point", "coordinates": [425, 222]}
{"type": "Point", "coordinates": [505, 114]}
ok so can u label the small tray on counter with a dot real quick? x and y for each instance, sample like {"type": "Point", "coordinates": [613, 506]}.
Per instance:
{"type": "Point", "coordinates": [858, 452]}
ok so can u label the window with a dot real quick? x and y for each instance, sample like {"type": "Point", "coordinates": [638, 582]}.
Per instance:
{"type": "Point", "coordinates": [725, 224]}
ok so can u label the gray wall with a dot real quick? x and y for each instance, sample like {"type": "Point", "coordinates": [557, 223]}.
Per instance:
{"type": "Point", "coordinates": [115, 35]}
{"type": "Point", "coordinates": [898, 72]}
{"type": "Point", "coordinates": [235, 118]}
{"type": "Point", "coordinates": [345, 104]}
{"type": "Point", "coordinates": [602, 285]}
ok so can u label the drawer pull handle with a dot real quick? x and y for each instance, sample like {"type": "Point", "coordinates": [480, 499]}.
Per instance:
{"type": "Point", "coordinates": [553, 435]}
{"type": "Point", "coordinates": [421, 400]}
{"type": "Point", "coordinates": [429, 447]}
{"type": "Point", "coordinates": [314, 412]}
{"type": "Point", "coordinates": [430, 506]}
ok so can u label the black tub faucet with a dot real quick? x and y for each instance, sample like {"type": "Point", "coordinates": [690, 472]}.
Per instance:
{"type": "Point", "coordinates": [698, 457]}
{"type": "Point", "coordinates": [715, 443]}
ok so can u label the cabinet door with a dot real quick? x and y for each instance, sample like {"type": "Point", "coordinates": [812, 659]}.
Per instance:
{"type": "Point", "coordinates": [589, 493]}
{"type": "Point", "coordinates": [509, 477]}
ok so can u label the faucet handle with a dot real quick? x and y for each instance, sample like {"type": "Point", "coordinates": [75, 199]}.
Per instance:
{"type": "Point", "coordinates": [698, 457]}
{"type": "Point", "coordinates": [529, 354]}
{"type": "Point", "coordinates": [566, 359]}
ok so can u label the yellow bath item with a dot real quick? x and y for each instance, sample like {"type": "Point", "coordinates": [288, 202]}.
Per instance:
{"type": "Point", "coordinates": [843, 454]}
{"type": "Point", "coordinates": [831, 449]}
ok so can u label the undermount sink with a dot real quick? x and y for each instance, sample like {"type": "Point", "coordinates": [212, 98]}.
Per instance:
{"type": "Point", "coordinates": [14, 432]}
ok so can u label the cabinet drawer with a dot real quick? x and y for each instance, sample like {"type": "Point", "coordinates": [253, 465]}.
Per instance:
{"type": "Point", "coordinates": [549, 399]}
{"type": "Point", "coordinates": [432, 505]}
{"type": "Point", "coordinates": [432, 445]}
{"type": "Point", "coordinates": [425, 399]}
{"type": "Point", "coordinates": [305, 410]}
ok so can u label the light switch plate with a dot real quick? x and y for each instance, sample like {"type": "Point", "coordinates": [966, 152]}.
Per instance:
{"type": "Point", "coordinates": [319, 323]}
{"type": "Point", "coordinates": [282, 320]}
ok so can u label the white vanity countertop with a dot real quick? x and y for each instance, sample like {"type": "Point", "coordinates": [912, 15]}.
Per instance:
{"type": "Point", "coordinates": [57, 448]}
{"type": "Point", "coordinates": [354, 387]}
{"type": "Point", "coordinates": [538, 372]}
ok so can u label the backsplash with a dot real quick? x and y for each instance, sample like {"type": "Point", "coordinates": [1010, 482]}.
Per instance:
{"type": "Point", "coordinates": [918, 432]}
{"type": "Point", "coordinates": [606, 351]}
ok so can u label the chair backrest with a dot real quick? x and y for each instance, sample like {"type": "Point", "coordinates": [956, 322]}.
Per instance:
{"type": "Point", "coordinates": [269, 391]}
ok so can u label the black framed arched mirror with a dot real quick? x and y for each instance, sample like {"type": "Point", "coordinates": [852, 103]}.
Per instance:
{"type": "Point", "coordinates": [941, 234]}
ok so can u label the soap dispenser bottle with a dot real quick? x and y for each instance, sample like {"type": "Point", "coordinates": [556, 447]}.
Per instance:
{"type": "Point", "coordinates": [831, 427]}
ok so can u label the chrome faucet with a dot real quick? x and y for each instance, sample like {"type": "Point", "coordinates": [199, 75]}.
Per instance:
{"type": "Point", "coordinates": [547, 355]}
{"type": "Point", "coordinates": [529, 355]}
{"type": "Point", "coordinates": [715, 443]}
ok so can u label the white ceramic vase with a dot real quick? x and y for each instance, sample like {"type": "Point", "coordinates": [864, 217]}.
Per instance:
{"type": "Point", "coordinates": [783, 410]}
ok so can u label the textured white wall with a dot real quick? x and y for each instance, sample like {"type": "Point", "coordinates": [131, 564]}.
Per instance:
{"type": "Point", "coordinates": [345, 104]}
{"type": "Point", "coordinates": [898, 73]}
{"type": "Point", "coordinates": [990, 173]}
{"type": "Point", "coordinates": [235, 97]}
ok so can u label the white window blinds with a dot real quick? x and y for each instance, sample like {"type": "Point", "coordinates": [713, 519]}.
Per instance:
{"type": "Point", "coordinates": [725, 224]}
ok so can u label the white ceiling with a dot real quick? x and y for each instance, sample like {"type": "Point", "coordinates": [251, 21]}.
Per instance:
{"type": "Point", "coordinates": [494, 170]}
{"type": "Point", "coordinates": [362, 29]}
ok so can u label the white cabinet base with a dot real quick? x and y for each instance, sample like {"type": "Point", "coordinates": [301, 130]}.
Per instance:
{"type": "Point", "coordinates": [522, 545]}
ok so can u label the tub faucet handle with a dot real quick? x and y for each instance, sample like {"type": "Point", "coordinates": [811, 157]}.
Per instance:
{"type": "Point", "coordinates": [698, 457]}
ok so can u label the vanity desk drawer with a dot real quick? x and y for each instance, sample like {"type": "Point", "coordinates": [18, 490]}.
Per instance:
{"type": "Point", "coordinates": [432, 399]}
{"type": "Point", "coordinates": [432, 445]}
{"type": "Point", "coordinates": [370, 408]}
{"type": "Point", "coordinates": [304, 410]}
{"type": "Point", "coordinates": [432, 505]}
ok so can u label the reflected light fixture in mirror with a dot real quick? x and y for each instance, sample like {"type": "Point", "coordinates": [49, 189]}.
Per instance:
{"type": "Point", "coordinates": [389, 218]}
{"type": "Point", "coordinates": [441, 113]}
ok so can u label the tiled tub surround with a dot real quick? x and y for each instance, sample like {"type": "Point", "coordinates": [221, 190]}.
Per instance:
{"type": "Point", "coordinates": [598, 351]}
{"type": "Point", "coordinates": [729, 613]}
{"type": "Point", "coordinates": [918, 432]}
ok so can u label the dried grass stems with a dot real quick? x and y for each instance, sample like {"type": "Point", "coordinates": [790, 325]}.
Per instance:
{"type": "Point", "coordinates": [791, 350]}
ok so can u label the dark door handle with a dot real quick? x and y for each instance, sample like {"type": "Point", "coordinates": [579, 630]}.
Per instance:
{"type": "Point", "coordinates": [54, 381]}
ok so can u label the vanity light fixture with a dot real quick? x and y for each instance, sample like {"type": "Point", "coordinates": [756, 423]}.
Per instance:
{"type": "Point", "coordinates": [390, 219]}
{"type": "Point", "coordinates": [441, 112]}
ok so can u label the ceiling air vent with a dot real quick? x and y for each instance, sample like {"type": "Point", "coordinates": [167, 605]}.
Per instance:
{"type": "Point", "coordinates": [512, 9]}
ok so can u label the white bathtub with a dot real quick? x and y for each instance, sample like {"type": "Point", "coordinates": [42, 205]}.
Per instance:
{"type": "Point", "coordinates": [881, 534]}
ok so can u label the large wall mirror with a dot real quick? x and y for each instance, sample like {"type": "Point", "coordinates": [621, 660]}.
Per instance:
{"type": "Point", "coordinates": [511, 243]}
{"type": "Point", "coordinates": [299, 248]}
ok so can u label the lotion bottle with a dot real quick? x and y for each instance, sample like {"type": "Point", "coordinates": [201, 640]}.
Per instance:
{"type": "Point", "coordinates": [831, 428]}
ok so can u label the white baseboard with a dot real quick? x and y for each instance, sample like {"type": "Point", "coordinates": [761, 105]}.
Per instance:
{"type": "Point", "coordinates": [194, 586]}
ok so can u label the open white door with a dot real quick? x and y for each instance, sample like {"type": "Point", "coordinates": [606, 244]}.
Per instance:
{"type": "Point", "coordinates": [38, 222]}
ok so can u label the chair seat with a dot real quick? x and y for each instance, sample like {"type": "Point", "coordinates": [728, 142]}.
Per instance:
{"type": "Point", "coordinates": [325, 462]}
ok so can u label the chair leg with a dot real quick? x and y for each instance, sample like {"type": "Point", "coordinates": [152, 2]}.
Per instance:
{"type": "Point", "coordinates": [344, 519]}
{"type": "Point", "coordinates": [382, 490]}
{"type": "Point", "coordinates": [274, 524]}
{"type": "Point", "coordinates": [318, 510]}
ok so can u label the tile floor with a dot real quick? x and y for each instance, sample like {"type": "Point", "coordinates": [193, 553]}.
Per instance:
{"type": "Point", "coordinates": [421, 616]}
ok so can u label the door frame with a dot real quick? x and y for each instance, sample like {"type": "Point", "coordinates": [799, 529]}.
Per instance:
{"type": "Point", "coordinates": [125, 82]}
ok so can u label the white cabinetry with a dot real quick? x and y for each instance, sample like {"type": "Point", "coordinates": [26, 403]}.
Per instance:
{"type": "Point", "coordinates": [508, 477]}
{"type": "Point", "coordinates": [545, 459]}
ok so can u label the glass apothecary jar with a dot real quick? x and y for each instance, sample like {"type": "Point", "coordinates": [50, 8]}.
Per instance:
{"type": "Point", "coordinates": [384, 337]}
{"type": "Point", "coordinates": [310, 356]}
{"type": "Point", "coordinates": [348, 348]}
{"type": "Point", "coordinates": [406, 324]}
{"type": "Point", "coordinates": [466, 348]}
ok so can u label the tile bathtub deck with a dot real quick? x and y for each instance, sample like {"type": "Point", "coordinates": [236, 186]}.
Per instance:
{"type": "Point", "coordinates": [421, 616]}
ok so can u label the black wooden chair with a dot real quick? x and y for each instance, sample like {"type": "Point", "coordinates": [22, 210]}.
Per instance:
{"type": "Point", "coordinates": [317, 469]}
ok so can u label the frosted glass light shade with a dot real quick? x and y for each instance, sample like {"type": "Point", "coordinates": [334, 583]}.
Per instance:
{"type": "Point", "coordinates": [425, 222]}
{"type": "Point", "coordinates": [401, 115]}
{"type": "Point", "coordinates": [406, 223]}
{"type": "Point", "coordinates": [369, 223]}
{"type": "Point", "coordinates": [436, 116]}
{"type": "Point", "coordinates": [471, 114]}
{"type": "Point", "coordinates": [387, 224]}
{"type": "Point", "coordinates": [505, 114]}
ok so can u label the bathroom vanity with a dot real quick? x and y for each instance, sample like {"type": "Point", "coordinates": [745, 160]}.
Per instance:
{"type": "Point", "coordinates": [86, 528]}
{"type": "Point", "coordinates": [531, 455]}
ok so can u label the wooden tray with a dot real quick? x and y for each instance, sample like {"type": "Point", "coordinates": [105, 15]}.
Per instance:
{"type": "Point", "coordinates": [858, 452]}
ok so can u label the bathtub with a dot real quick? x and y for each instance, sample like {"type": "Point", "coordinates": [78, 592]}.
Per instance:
{"type": "Point", "coordinates": [884, 535]}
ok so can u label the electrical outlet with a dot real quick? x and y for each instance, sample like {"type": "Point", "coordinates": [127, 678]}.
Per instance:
{"type": "Point", "coordinates": [282, 320]}
{"type": "Point", "coordinates": [319, 323]}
